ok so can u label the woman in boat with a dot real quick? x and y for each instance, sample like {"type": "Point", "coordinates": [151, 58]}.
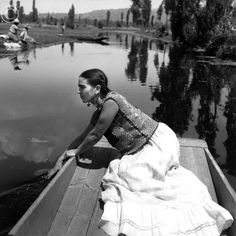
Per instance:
{"type": "Point", "coordinates": [146, 192]}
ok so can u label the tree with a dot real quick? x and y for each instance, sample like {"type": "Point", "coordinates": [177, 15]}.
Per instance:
{"type": "Point", "coordinates": [71, 17]}
{"type": "Point", "coordinates": [152, 21]}
{"type": "Point", "coordinates": [11, 13]}
{"type": "Point", "coordinates": [48, 19]}
{"type": "Point", "coordinates": [100, 24]}
{"type": "Point", "coordinates": [146, 12]}
{"type": "Point", "coordinates": [34, 12]}
{"type": "Point", "coordinates": [136, 11]}
{"type": "Point", "coordinates": [108, 17]}
{"type": "Point", "coordinates": [122, 17]}
{"type": "Point", "coordinates": [159, 12]}
{"type": "Point", "coordinates": [20, 10]}
{"type": "Point", "coordinates": [21, 14]}
{"type": "Point", "coordinates": [194, 23]}
{"type": "Point", "coordinates": [18, 5]}
{"type": "Point", "coordinates": [95, 22]}
{"type": "Point", "coordinates": [127, 18]}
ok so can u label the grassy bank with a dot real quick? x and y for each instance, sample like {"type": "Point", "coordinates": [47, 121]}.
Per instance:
{"type": "Point", "coordinates": [47, 35]}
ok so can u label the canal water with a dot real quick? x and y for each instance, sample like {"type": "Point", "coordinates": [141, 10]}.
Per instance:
{"type": "Point", "coordinates": [41, 113]}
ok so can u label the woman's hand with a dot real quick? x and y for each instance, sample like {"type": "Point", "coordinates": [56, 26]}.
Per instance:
{"type": "Point", "coordinates": [70, 153]}
{"type": "Point", "coordinates": [61, 161]}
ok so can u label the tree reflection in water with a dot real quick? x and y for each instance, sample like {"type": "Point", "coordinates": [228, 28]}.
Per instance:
{"type": "Point", "coordinates": [208, 80]}
{"type": "Point", "coordinates": [173, 94]}
{"type": "Point", "coordinates": [230, 114]}
{"type": "Point", "coordinates": [138, 59]}
{"type": "Point", "coordinates": [183, 81]}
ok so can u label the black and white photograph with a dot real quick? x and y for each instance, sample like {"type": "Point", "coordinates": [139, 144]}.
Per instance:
{"type": "Point", "coordinates": [117, 117]}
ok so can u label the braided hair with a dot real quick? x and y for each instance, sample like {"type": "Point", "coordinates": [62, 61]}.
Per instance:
{"type": "Point", "coordinates": [97, 77]}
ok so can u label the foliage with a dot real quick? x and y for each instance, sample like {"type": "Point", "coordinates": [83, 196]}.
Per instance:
{"type": "Point", "coordinates": [108, 17]}
{"type": "Point", "coordinates": [198, 21]}
{"type": "Point", "coordinates": [118, 24]}
{"type": "Point", "coordinates": [11, 13]}
{"type": "Point", "coordinates": [122, 17]}
{"type": "Point", "coordinates": [95, 22]}
{"type": "Point", "coordinates": [152, 21]}
{"type": "Point", "coordinates": [34, 12]}
{"type": "Point", "coordinates": [127, 18]}
{"type": "Point", "coordinates": [20, 10]}
{"type": "Point", "coordinates": [146, 11]}
{"type": "Point", "coordinates": [100, 24]}
{"type": "Point", "coordinates": [159, 12]}
{"type": "Point", "coordinates": [135, 9]}
{"type": "Point", "coordinates": [71, 17]}
{"type": "Point", "coordinates": [141, 10]}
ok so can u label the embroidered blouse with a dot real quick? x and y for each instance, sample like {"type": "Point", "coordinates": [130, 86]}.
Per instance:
{"type": "Point", "coordinates": [131, 129]}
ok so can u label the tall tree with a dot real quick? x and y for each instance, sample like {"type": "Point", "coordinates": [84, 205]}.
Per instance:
{"type": "Point", "coordinates": [127, 18]}
{"type": "Point", "coordinates": [11, 13]}
{"type": "Point", "coordinates": [18, 6]}
{"type": "Point", "coordinates": [34, 12]}
{"type": "Point", "coordinates": [71, 17]}
{"type": "Point", "coordinates": [146, 11]}
{"type": "Point", "coordinates": [21, 13]}
{"type": "Point", "coordinates": [136, 10]}
{"type": "Point", "coordinates": [193, 22]}
{"type": "Point", "coordinates": [108, 17]}
{"type": "Point", "coordinates": [122, 17]}
{"type": "Point", "coordinates": [152, 21]}
{"type": "Point", "coordinates": [160, 11]}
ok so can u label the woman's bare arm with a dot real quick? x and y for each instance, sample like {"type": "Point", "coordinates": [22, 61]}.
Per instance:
{"type": "Point", "coordinates": [108, 113]}
{"type": "Point", "coordinates": [75, 144]}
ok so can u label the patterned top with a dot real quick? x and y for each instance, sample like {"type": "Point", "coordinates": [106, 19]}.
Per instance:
{"type": "Point", "coordinates": [131, 129]}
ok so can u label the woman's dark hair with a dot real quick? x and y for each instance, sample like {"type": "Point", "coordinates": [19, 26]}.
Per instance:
{"type": "Point", "coordinates": [97, 77]}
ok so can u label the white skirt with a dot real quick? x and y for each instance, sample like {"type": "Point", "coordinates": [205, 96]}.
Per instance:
{"type": "Point", "coordinates": [149, 193]}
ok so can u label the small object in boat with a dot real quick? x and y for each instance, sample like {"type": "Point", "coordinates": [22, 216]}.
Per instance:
{"type": "Point", "coordinates": [85, 160]}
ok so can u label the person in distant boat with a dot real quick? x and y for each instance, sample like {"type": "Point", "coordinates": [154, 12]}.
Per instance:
{"type": "Point", "coordinates": [24, 37]}
{"type": "Point", "coordinates": [13, 31]}
{"type": "Point", "coordinates": [63, 27]}
{"type": "Point", "coordinates": [146, 191]}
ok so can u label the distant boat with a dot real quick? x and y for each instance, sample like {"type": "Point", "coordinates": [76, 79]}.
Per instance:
{"type": "Point", "coordinates": [70, 204]}
{"type": "Point", "coordinates": [86, 38]}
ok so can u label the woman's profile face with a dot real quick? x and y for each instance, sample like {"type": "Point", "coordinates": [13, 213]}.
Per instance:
{"type": "Point", "coordinates": [86, 91]}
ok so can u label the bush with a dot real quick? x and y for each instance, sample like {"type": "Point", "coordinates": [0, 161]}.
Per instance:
{"type": "Point", "coordinates": [100, 24]}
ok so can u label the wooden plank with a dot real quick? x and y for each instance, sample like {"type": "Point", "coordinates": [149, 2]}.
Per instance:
{"type": "Point", "coordinates": [80, 222]}
{"type": "Point", "coordinates": [225, 193]}
{"type": "Point", "coordinates": [85, 176]}
{"type": "Point", "coordinates": [66, 211]}
{"type": "Point", "coordinates": [189, 142]}
{"type": "Point", "coordinates": [93, 229]}
{"type": "Point", "coordinates": [38, 218]}
{"type": "Point", "coordinates": [194, 159]}
{"type": "Point", "coordinates": [80, 175]}
{"type": "Point", "coordinates": [69, 203]}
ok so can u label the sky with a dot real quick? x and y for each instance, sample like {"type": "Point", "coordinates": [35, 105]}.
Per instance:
{"type": "Point", "coordinates": [81, 6]}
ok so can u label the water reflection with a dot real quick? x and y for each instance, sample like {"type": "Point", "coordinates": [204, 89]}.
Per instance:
{"type": "Point", "coordinates": [138, 57]}
{"type": "Point", "coordinates": [41, 114]}
{"type": "Point", "coordinates": [71, 48]}
{"type": "Point", "coordinates": [207, 82]}
{"type": "Point", "coordinates": [230, 142]}
{"type": "Point", "coordinates": [17, 60]}
{"type": "Point", "coordinates": [175, 102]}
{"type": "Point", "coordinates": [62, 48]}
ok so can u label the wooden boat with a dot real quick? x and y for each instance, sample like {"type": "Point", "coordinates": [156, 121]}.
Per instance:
{"type": "Point", "coordinates": [70, 204]}
{"type": "Point", "coordinates": [86, 38]}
